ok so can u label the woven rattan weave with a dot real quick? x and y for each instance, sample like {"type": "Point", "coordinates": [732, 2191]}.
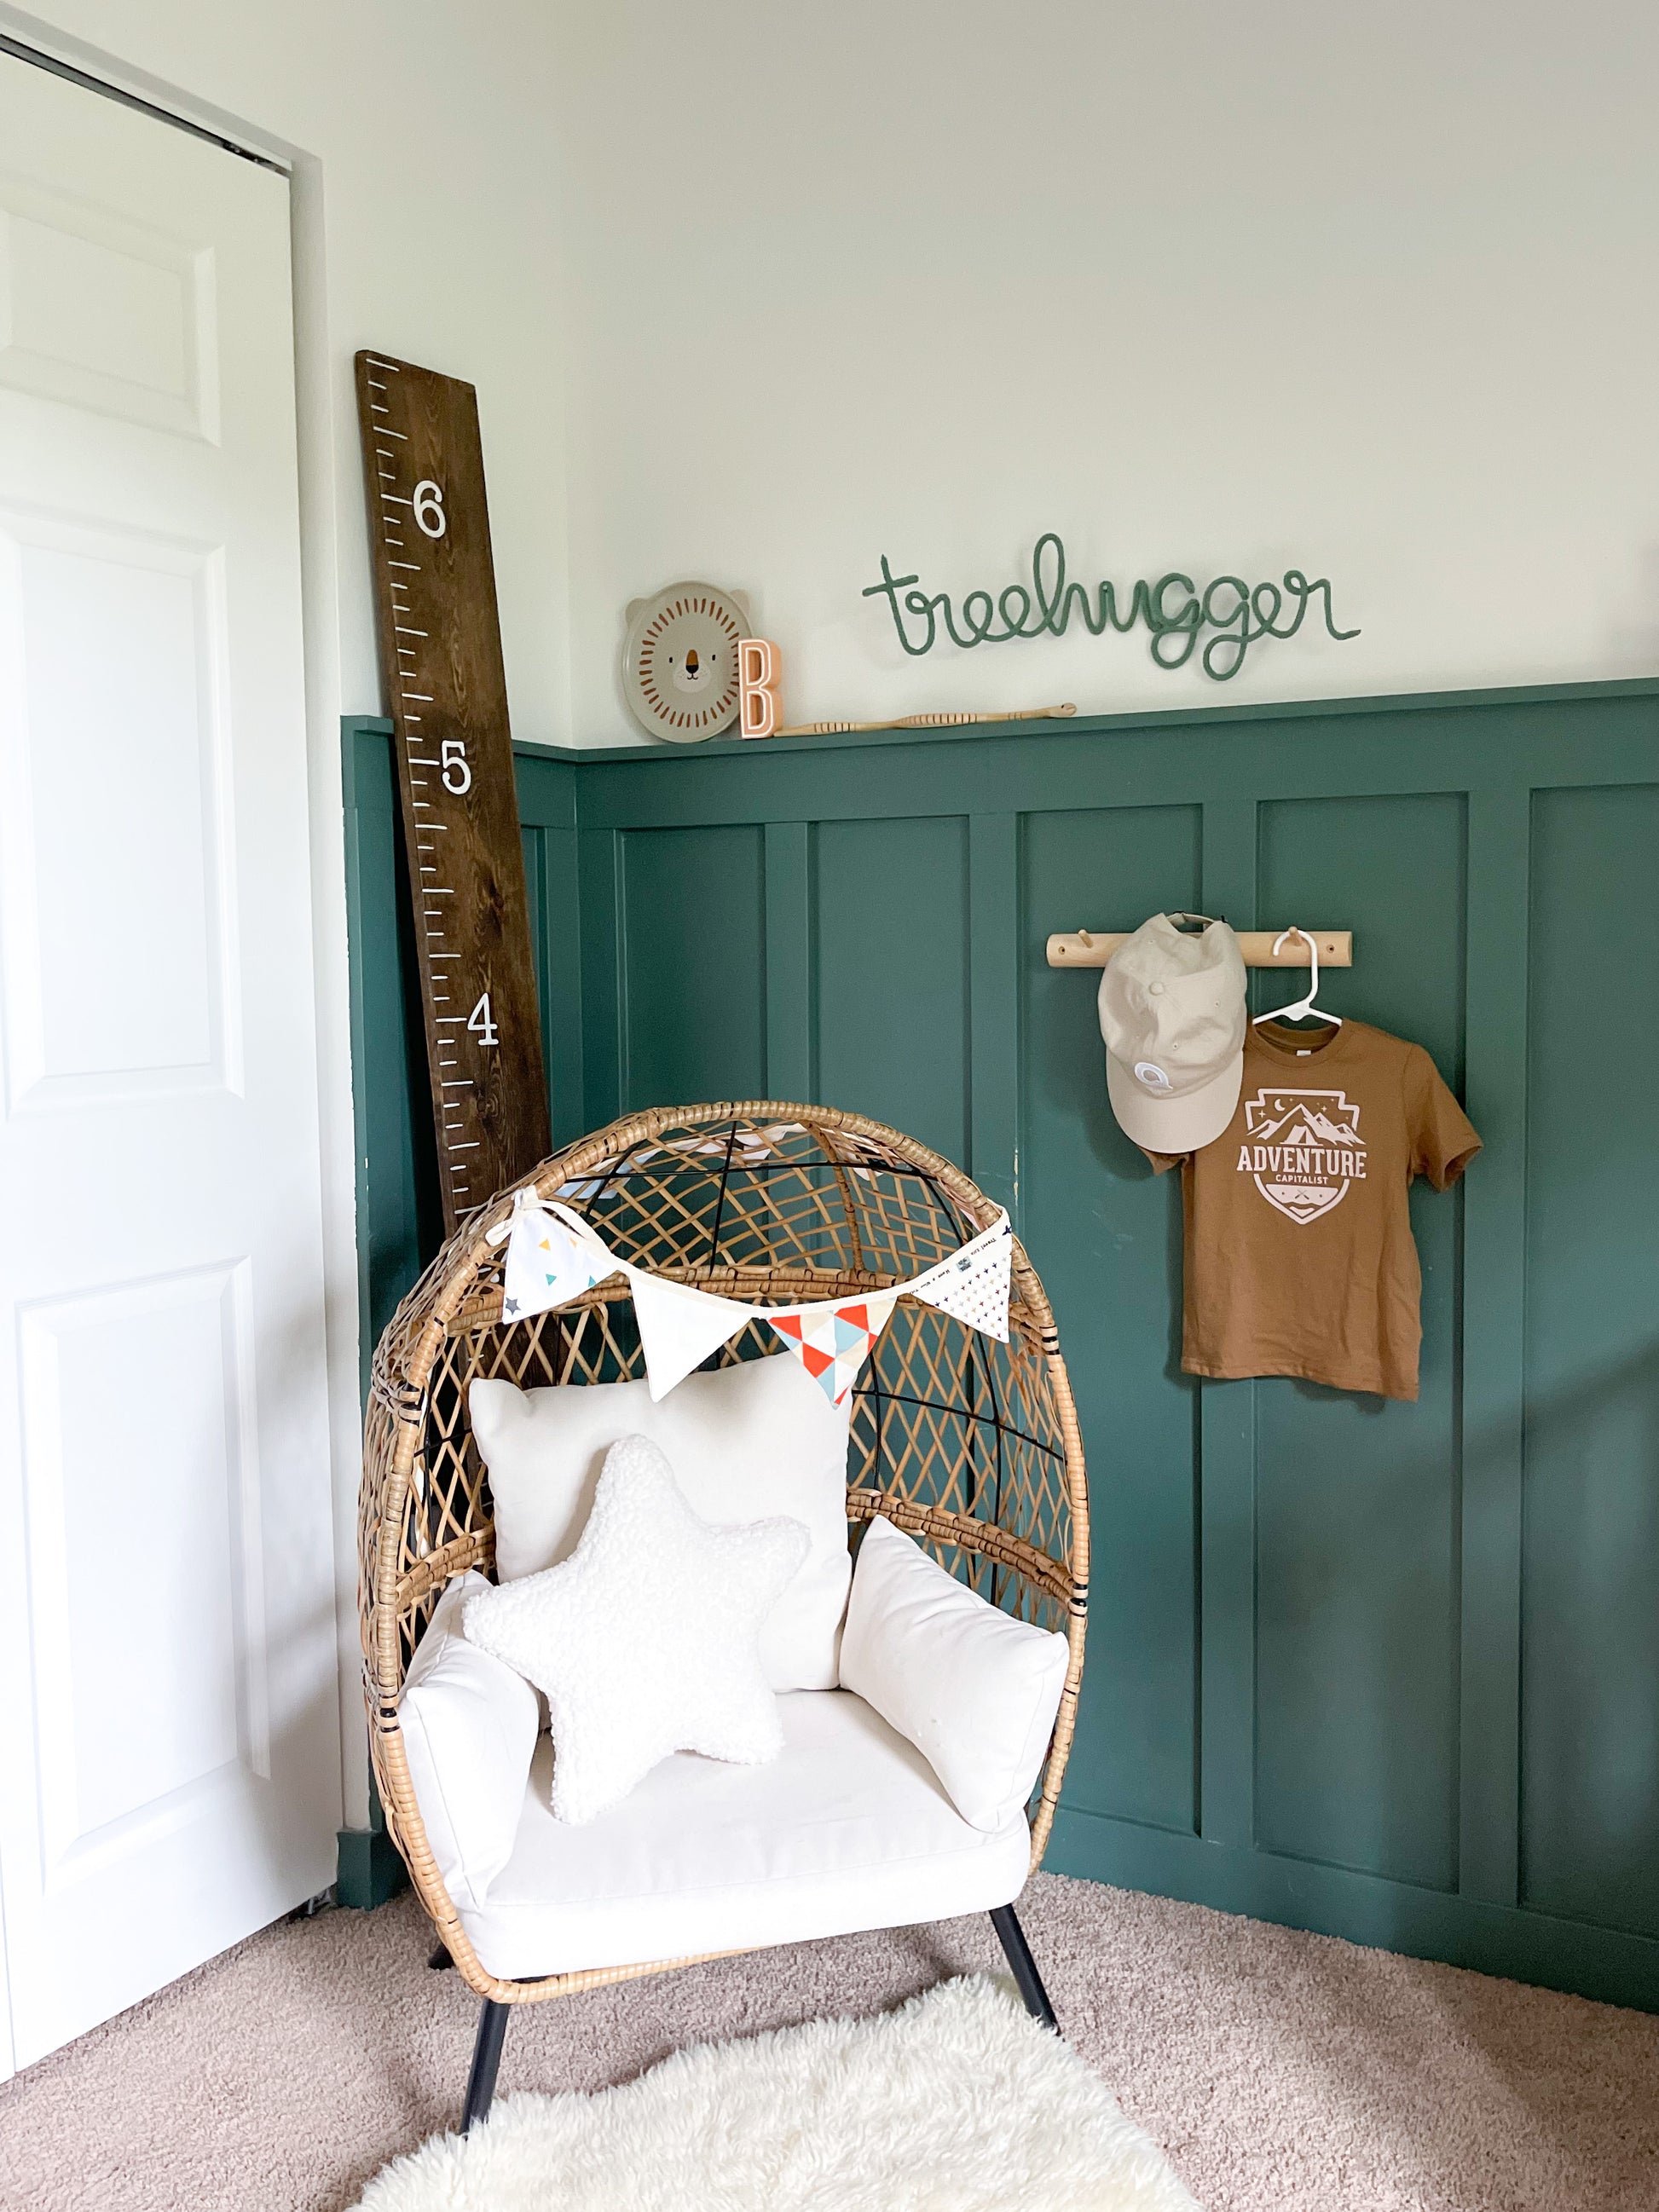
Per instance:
{"type": "Point", "coordinates": [970, 1445]}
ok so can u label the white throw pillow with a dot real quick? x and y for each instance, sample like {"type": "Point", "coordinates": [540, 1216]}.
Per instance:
{"type": "Point", "coordinates": [646, 1640]}
{"type": "Point", "coordinates": [976, 1691]}
{"type": "Point", "coordinates": [745, 1442]}
{"type": "Point", "coordinates": [470, 1726]}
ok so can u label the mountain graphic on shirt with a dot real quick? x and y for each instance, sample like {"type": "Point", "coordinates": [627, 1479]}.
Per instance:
{"type": "Point", "coordinates": [1304, 1126]}
{"type": "Point", "coordinates": [1304, 1148]}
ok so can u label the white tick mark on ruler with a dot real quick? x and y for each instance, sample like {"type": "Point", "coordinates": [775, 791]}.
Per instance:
{"type": "Point", "coordinates": [415, 565]}
{"type": "Point", "coordinates": [395, 499]}
{"type": "Point", "coordinates": [404, 630]}
{"type": "Point", "coordinates": [384, 430]}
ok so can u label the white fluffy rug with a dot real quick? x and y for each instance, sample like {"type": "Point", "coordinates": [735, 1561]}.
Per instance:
{"type": "Point", "coordinates": [958, 2102]}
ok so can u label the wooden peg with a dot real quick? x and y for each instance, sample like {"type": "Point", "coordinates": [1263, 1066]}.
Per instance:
{"type": "Point", "coordinates": [1093, 948]}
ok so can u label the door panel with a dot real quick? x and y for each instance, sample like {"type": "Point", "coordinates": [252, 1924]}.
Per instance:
{"type": "Point", "coordinates": [116, 773]}
{"type": "Point", "coordinates": [164, 1462]}
{"type": "Point", "coordinates": [108, 315]}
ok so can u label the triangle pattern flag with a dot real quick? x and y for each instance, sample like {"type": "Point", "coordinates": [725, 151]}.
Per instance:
{"type": "Point", "coordinates": [832, 1342]}
{"type": "Point", "coordinates": [972, 1286]}
{"type": "Point", "coordinates": [546, 1264]}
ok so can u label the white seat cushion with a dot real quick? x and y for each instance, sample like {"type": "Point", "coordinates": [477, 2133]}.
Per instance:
{"type": "Point", "coordinates": [847, 1829]}
{"type": "Point", "coordinates": [745, 1443]}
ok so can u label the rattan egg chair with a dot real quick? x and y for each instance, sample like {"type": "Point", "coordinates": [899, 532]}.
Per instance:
{"type": "Point", "coordinates": [970, 1445]}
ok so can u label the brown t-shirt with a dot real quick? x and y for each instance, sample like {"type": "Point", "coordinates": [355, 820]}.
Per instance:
{"type": "Point", "coordinates": [1299, 1254]}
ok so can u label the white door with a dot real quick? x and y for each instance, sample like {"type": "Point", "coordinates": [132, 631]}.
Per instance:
{"type": "Point", "coordinates": [169, 1756]}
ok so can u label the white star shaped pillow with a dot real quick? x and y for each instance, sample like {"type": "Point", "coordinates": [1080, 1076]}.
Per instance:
{"type": "Point", "coordinates": [647, 1639]}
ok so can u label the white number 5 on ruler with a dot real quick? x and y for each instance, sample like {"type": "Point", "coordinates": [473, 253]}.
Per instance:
{"type": "Point", "coordinates": [482, 1023]}
{"type": "Point", "coordinates": [457, 774]}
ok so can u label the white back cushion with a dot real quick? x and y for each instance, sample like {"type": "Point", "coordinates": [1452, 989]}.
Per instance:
{"type": "Point", "coordinates": [469, 1726]}
{"type": "Point", "coordinates": [745, 1443]}
{"type": "Point", "coordinates": [974, 1691]}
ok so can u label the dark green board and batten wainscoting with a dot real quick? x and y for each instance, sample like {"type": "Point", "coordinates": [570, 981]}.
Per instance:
{"type": "Point", "coordinates": [1389, 1671]}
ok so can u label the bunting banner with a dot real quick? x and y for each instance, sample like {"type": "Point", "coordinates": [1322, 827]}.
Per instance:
{"type": "Point", "coordinates": [553, 1257]}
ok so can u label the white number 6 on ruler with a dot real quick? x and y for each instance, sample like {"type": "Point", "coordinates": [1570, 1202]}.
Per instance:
{"type": "Point", "coordinates": [458, 776]}
{"type": "Point", "coordinates": [482, 1023]}
{"type": "Point", "coordinates": [428, 504]}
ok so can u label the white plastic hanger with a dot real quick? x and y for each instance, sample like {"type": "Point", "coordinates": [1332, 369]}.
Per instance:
{"type": "Point", "coordinates": [1303, 1009]}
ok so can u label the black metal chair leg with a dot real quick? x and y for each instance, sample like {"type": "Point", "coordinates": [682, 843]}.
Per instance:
{"type": "Point", "coordinates": [1011, 1936]}
{"type": "Point", "coordinates": [486, 2059]}
{"type": "Point", "coordinates": [441, 1959]}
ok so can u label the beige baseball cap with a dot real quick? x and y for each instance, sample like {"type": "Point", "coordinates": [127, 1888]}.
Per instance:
{"type": "Point", "coordinates": [1172, 1013]}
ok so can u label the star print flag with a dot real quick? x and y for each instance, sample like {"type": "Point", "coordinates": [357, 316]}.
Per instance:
{"type": "Point", "coordinates": [832, 1342]}
{"type": "Point", "coordinates": [972, 1285]}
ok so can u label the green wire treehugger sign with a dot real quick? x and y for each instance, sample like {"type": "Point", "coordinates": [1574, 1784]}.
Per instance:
{"type": "Point", "coordinates": [1173, 610]}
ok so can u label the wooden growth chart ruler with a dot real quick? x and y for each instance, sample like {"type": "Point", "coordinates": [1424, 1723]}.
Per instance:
{"type": "Point", "coordinates": [440, 650]}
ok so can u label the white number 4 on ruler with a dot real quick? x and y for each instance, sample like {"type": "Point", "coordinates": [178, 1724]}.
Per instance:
{"type": "Point", "coordinates": [482, 1023]}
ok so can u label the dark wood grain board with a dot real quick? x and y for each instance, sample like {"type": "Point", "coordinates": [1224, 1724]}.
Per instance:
{"type": "Point", "coordinates": [441, 653]}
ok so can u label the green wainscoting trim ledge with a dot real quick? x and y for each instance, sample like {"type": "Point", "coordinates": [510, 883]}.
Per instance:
{"type": "Point", "coordinates": [1388, 1671]}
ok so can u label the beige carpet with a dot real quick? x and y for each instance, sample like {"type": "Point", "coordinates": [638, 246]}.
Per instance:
{"type": "Point", "coordinates": [1283, 2072]}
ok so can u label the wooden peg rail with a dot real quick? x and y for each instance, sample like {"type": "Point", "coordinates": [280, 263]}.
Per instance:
{"type": "Point", "coordinates": [1093, 948]}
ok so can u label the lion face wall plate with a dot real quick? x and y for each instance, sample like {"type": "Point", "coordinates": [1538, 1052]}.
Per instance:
{"type": "Point", "coordinates": [680, 660]}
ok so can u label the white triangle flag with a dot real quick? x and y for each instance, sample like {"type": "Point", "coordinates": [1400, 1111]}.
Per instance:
{"type": "Point", "coordinates": [680, 1326]}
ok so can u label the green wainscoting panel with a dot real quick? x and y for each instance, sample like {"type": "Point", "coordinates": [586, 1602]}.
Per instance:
{"type": "Point", "coordinates": [1111, 1233]}
{"type": "Point", "coordinates": [1357, 1602]}
{"type": "Point", "coordinates": [891, 935]}
{"type": "Point", "coordinates": [1389, 1671]}
{"type": "Point", "coordinates": [1591, 1578]}
{"type": "Point", "coordinates": [692, 964]}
